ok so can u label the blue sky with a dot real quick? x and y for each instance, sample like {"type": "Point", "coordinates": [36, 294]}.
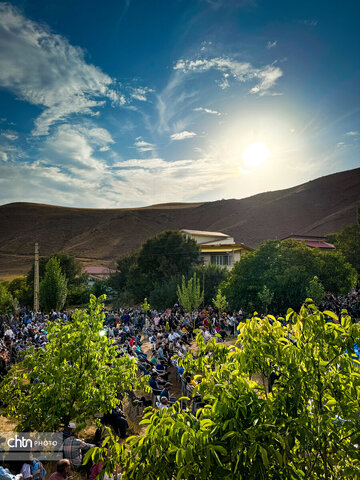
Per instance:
{"type": "Point", "coordinates": [135, 102]}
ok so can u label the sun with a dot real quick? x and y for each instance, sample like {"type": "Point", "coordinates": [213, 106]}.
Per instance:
{"type": "Point", "coordinates": [255, 154]}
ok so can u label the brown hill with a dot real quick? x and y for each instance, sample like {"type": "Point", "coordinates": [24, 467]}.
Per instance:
{"type": "Point", "coordinates": [100, 236]}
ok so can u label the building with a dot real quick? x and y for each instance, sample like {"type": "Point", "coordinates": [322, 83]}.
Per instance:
{"type": "Point", "coordinates": [97, 273]}
{"type": "Point", "coordinates": [311, 241]}
{"type": "Point", "coordinates": [217, 248]}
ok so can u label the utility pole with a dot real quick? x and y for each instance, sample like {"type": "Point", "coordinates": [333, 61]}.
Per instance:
{"type": "Point", "coordinates": [36, 279]}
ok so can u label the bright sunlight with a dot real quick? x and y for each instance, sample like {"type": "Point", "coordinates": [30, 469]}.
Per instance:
{"type": "Point", "coordinates": [255, 154]}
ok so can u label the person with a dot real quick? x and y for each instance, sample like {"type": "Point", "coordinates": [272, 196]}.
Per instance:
{"type": "Point", "coordinates": [154, 382]}
{"type": "Point", "coordinates": [74, 447]}
{"type": "Point", "coordinates": [5, 474]}
{"type": "Point", "coordinates": [164, 403]}
{"type": "Point", "coordinates": [63, 468]}
{"type": "Point", "coordinates": [165, 393]}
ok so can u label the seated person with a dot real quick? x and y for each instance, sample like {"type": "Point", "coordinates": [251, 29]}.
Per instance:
{"type": "Point", "coordinates": [164, 403]}
{"type": "Point", "coordinates": [155, 383]}
{"type": "Point", "coordinates": [165, 393]}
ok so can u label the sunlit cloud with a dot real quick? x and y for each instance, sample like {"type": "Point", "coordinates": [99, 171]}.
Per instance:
{"type": "Point", "coordinates": [352, 133]}
{"type": "Point", "coordinates": [12, 136]}
{"type": "Point", "coordinates": [143, 146]}
{"type": "Point", "coordinates": [182, 135]}
{"type": "Point", "coordinates": [207, 110]}
{"type": "Point", "coordinates": [266, 76]}
{"type": "Point", "coordinates": [44, 69]}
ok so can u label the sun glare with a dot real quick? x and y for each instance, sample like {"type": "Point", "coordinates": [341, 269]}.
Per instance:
{"type": "Point", "coordinates": [255, 154]}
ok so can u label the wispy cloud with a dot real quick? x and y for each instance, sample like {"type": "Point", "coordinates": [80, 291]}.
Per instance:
{"type": "Point", "coordinates": [182, 135]}
{"type": "Point", "coordinates": [270, 45]}
{"type": "Point", "coordinates": [309, 22]}
{"type": "Point", "coordinates": [44, 69]}
{"type": "Point", "coordinates": [352, 133]}
{"type": "Point", "coordinates": [266, 76]}
{"type": "Point", "coordinates": [207, 110]}
{"type": "Point", "coordinates": [9, 135]}
{"type": "Point", "coordinates": [143, 146]}
{"type": "Point", "coordinates": [140, 93]}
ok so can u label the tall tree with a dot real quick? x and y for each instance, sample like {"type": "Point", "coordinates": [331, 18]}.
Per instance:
{"type": "Point", "coordinates": [189, 293]}
{"type": "Point", "coordinates": [77, 376]}
{"type": "Point", "coordinates": [53, 287]}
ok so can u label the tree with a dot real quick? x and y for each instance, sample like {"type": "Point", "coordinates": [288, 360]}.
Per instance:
{"type": "Point", "coordinates": [19, 288]}
{"type": "Point", "coordinates": [316, 290]}
{"type": "Point", "coordinates": [53, 287]}
{"type": "Point", "coordinates": [163, 257]}
{"type": "Point", "coordinates": [189, 294]}
{"type": "Point", "coordinates": [220, 302]}
{"type": "Point", "coordinates": [213, 276]}
{"type": "Point", "coordinates": [8, 303]}
{"type": "Point", "coordinates": [77, 376]}
{"type": "Point", "coordinates": [348, 243]}
{"type": "Point", "coordinates": [307, 427]}
{"type": "Point", "coordinates": [285, 268]}
{"type": "Point", "coordinates": [265, 297]}
{"type": "Point", "coordinates": [78, 290]}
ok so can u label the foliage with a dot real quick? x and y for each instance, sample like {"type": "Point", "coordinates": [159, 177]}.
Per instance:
{"type": "Point", "coordinates": [265, 297]}
{"type": "Point", "coordinates": [145, 306]}
{"type": "Point", "coordinates": [220, 302]}
{"type": "Point", "coordinates": [286, 268]}
{"type": "Point", "coordinates": [8, 303]}
{"type": "Point", "coordinates": [20, 289]}
{"type": "Point", "coordinates": [316, 290]}
{"type": "Point", "coordinates": [212, 276]}
{"type": "Point", "coordinates": [307, 427]}
{"type": "Point", "coordinates": [77, 376]}
{"type": "Point", "coordinates": [164, 294]}
{"type": "Point", "coordinates": [53, 287]}
{"type": "Point", "coordinates": [189, 293]}
{"type": "Point", "coordinates": [348, 243]}
{"type": "Point", "coordinates": [77, 281]}
{"type": "Point", "coordinates": [163, 257]}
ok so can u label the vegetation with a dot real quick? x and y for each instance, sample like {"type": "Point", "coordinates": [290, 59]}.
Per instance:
{"type": "Point", "coordinates": [286, 269]}
{"type": "Point", "coordinates": [348, 243]}
{"type": "Point", "coordinates": [8, 303]}
{"type": "Point", "coordinates": [307, 427]}
{"type": "Point", "coordinates": [316, 290]}
{"type": "Point", "coordinates": [159, 261]}
{"type": "Point", "coordinates": [220, 302]}
{"type": "Point", "coordinates": [77, 282]}
{"type": "Point", "coordinates": [189, 294]}
{"type": "Point", "coordinates": [77, 376]}
{"type": "Point", "coordinates": [211, 276]}
{"type": "Point", "coordinates": [53, 287]}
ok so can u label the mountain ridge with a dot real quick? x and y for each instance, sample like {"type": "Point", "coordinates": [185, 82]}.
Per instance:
{"type": "Point", "coordinates": [99, 236]}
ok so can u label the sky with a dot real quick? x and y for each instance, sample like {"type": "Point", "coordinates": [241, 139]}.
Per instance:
{"type": "Point", "coordinates": [128, 103]}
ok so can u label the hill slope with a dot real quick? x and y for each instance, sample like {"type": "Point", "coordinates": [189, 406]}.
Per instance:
{"type": "Point", "coordinates": [99, 236]}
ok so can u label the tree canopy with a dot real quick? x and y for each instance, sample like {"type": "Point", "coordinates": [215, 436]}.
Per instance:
{"type": "Point", "coordinates": [53, 287]}
{"type": "Point", "coordinates": [307, 426]}
{"type": "Point", "coordinates": [286, 269]}
{"type": "Point", "coordinates": [162, 258]}
{"type": "Point", "coordinates": [77, 376]}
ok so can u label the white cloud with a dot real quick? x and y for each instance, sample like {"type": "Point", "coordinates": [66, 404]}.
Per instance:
{"type": "Point", "coordinates": [42, 68]}
{"type": "Point", "coordinates": [182, 135]}
{"type": "Point", "coordinates": [207, 110]}
{"type": "Point", "coordinates": [312, 22]}
{"type": "Point", "coordinates": [352, 133]}
{"type": "Point", "coordinates": [12, 136]}
{"type": "Point", "coordinates": [140, 93]}
{"type": "Point", "coordinates": [239, 71]}
{"type": "Point", "coordinates": [143, 146]}
{"type": "Point", "coordinates": [270, 45]}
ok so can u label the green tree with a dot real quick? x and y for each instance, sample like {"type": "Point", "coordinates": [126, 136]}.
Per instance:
{"type": "Point", "coordinates": [8, 303]}
{"type": "Point", "coordinates": [164, 295]}
{"type": "Point", "coordinates": [286, 268]}
{"type": "Point", "coordinates": [164, 256]}
{"type": "Point", "coordinates": [19, 288]}
{"type": "Point", "coordinates": [53, 287]}
{"type": "Point", "coordinates": [265, 297]}
{"type": "Point", "coordinates": [316, 290]}
{"type": "Point", "coordinates": [348, 243]}
{"type": "Point", "coordinates": [77, 376]}
{"type": "Point", "coordinates": [220, 302]}
{"type": "Point", "coordinates": [212, 276]}
{"type": "Point", "coordinates": [307, 427]}
{"type": "Point", "coordinates": [189, 293]}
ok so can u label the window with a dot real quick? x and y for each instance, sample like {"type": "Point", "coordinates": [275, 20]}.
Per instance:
{"type": "Point", "coordinates": [221, 260]}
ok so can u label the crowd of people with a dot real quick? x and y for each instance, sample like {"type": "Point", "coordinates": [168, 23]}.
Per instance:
{"type": "Point", "coordinates": [156, 340]}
